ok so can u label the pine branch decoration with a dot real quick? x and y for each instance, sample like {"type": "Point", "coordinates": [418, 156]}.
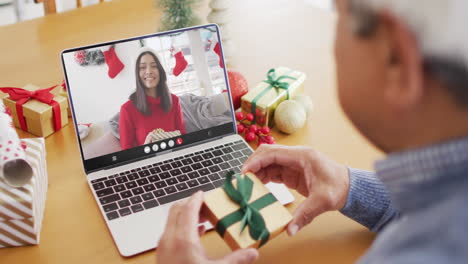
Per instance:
{"type": "Point", "coordinates": [177, 13]}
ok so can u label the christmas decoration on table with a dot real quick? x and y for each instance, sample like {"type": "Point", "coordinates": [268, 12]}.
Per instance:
{"type": "Point", "coordinates": [244, 213]}
{"type": "Point", "coordinates": [181, 63]}
{"type": "Point", "coordinates": [37, 111]}
{"type": "Point", "coordinates": [238, 85]}
{"type": "Point", "coordinates": [290, 116]}
{"type": "Point", "coordinates": [221, 15]}
{"type": "Point", "coordinates": [306, 102]}
{"type": "Point", "coordinates": [113, 62]}
{"type": "Point", "coordinates": [253, 132]}
{"type": "Point", "coordinates": [281, 84]}
{"type": "Point", "coordinates": [89, 57]}
{"type": "Point", "coordinates": [159, 134]}
{"type": "Point", "coordinates": [22, 209]}
{"type": "Point", "coordinates": [62, 91]}
{"type": "Point", "coordinates": [177, 14]}
{"type": "Point", "coordinates": [14, 168]}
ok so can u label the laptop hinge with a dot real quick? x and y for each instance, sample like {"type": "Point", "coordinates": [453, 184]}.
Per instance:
{"type": "Point", "coordinates": [129, 161]}
{"type": "Point", "coordinates": [158, 154]}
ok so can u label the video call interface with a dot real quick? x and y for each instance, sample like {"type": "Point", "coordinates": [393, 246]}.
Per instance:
{"type": "Point", "coordinates": [149, 90]}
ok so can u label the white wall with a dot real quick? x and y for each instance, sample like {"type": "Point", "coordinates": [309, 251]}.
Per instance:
{"type": "Point", "coordinates": [326, 4]}
{"type": "Point", "coordinates": [199, 61]}
{"type": "Point", "coordinates": [96, 96]}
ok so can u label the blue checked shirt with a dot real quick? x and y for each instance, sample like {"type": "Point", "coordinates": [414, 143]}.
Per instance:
{"type": "Point", "coordinates": [417, 202]}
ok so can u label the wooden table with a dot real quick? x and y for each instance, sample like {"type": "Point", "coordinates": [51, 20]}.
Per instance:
{"type": "Point", "coordinates": [267, 33]}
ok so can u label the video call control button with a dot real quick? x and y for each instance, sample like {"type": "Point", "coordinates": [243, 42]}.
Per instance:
{"type": "Point", "coordinates": [147, 149]}
{"type": "Point", "coordinates": [171, 143]}
{"type": "Point", "coordinates": [155, 147]}
{"type": "Point", "coordinates": [179, 141]}
{"type": "Point", "coordinates": [162, 145]}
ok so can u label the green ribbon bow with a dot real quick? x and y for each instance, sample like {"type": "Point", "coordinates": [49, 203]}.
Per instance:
{"type": "Point", "coordinates": [273, 83]}
{"type": "Point", "coordinates": [248, 214]}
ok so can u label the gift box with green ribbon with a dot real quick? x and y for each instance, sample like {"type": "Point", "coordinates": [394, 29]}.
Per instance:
{"type": "Point", "coordinates": [281, 84]}
{"type": "Point", "coordinates": [244, 212]}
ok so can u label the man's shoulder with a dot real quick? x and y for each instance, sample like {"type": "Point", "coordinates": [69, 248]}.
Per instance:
{"type": "Point", "coordinates": [435, 233]}
{"type": "Point", "coordinates": [446, 218]}
{"type": "Point", "coordinates": [454, 215]}
{"type": "Point", "coordinates": [418, 256]}
{"type": "Point", "coordinates": [424, 238]}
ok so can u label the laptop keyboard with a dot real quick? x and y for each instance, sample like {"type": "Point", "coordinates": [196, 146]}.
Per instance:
{"type": "Point", "coordinates": [143, 188]}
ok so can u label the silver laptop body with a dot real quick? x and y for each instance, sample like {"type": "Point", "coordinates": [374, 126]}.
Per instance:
{"type": "Point", "coordinates": [131, 186]}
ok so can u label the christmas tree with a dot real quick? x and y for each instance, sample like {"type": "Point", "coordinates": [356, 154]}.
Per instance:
{"type": "Point", "coordinates": [177, 14]}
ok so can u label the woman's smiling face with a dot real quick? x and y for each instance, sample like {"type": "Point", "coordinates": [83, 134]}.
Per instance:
{"type": "Point", "coordinates": [149, 74]}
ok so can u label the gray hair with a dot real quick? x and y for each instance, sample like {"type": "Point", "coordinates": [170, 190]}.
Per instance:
{"type": "Point", "coordinates": [442, 64]}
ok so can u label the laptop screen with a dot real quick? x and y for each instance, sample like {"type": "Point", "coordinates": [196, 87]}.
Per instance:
{"type": "Point", "coordinates": [142, 96]}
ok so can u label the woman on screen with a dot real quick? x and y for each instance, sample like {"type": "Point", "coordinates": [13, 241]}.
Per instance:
{"type": "Point", "coordinates": [151, 107]}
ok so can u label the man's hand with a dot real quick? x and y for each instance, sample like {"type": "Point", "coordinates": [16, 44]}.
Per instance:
{"type": "Point", "coordinates": [180, 242]}
{"type": "Point", "coordinates": [324, 182]}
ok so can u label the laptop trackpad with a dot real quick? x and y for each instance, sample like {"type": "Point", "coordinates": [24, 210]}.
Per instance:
{"type": "Point", "coordinates": [140, 232]}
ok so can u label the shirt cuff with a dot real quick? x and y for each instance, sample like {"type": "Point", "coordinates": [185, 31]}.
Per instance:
{"type": "Point", "coordinates": [368, 200]}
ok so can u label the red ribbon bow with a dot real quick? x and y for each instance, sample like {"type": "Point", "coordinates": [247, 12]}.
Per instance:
{"type": "Point", "coordinates": [64, 85]}
{"type": "Point", "coordinates": [21, 96]}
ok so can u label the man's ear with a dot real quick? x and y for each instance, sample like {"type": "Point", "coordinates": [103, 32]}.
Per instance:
{"type": "Point", "coordinates": [404, 84]}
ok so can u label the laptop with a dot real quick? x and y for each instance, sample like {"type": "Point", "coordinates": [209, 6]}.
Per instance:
{"type": "Point", "coordinates": [155, 123]}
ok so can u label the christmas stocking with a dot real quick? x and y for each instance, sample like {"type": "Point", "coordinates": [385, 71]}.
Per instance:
{"type": "Point", "coordinates": [181, 63]}
{"type": "Point", "coordinates": [217, 49]}
{"type": "Point", "coordinates": [89, 57]}
{"type": "Point", "coordinates": [114, 63]}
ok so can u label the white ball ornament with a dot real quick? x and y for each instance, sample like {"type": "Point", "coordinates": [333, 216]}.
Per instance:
{"type": "Point", "coordinates": [290, 116]}
{"type": "Point", "coordinates": [306, 102]}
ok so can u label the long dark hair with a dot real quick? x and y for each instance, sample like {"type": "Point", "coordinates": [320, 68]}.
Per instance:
{"type": "Point", "coordinates": [138, 98]}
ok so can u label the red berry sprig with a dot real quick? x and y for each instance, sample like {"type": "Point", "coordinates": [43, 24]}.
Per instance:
{"type": "Point", "coordinates": [252, 132]}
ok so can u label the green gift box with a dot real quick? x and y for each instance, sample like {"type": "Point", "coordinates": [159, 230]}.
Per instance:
{"type": "Point", "coordinates": [244, 212]}
{"type": "Point", "coordinates": [281, 84]}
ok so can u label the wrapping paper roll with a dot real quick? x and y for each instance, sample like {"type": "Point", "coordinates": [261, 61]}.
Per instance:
{"type": "Point", "coordinates": [14, 167]}
{"type": "Point", "coordinates": [22, 209]}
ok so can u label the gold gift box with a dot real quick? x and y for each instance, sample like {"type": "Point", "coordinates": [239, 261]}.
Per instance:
{"type": "Point", "coordinates": [267, 103]}
{"type": "Point", "coordinates": [38, 115]}
{"type": "Point", "coordinates": [59, 90]}
{"type": "Point", "coordinates": [217, 205]}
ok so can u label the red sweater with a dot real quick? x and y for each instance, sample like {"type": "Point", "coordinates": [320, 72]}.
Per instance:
{"type": "Point", "coordinates": [134, 126]}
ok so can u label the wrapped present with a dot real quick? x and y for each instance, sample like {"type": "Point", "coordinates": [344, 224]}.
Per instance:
{"type": "Point", "coordinates": [35, 110]}
{"type": "Point", "coordinates": [62, 91]}
{"type": "Point", "coordinates": [244, 212]}
{"type": "Point", "coordinates": [159, 134]}
{"type": "Point", "coordinates": [22, 209]}
{"type": "Point", "coordinates": [281, 84]}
